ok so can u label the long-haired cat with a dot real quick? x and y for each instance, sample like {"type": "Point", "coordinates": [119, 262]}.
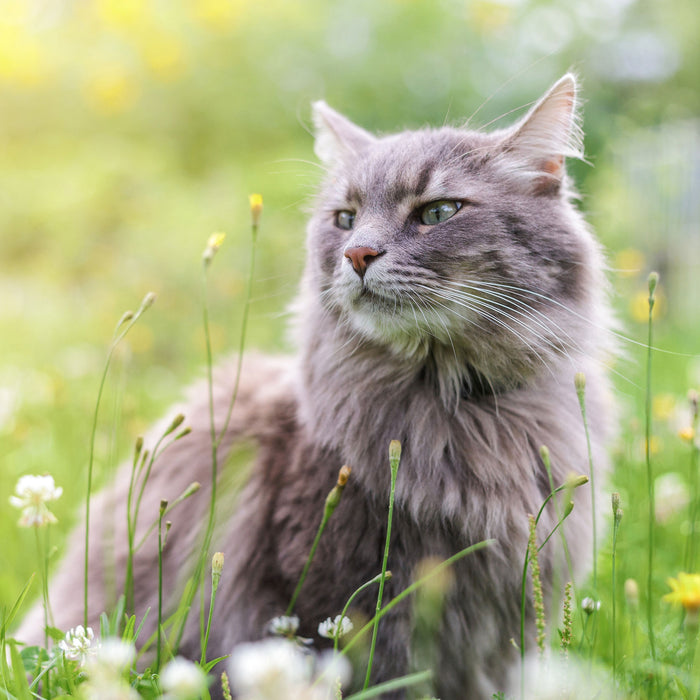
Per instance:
{"type": "Point", "coordinates": [451, 292]}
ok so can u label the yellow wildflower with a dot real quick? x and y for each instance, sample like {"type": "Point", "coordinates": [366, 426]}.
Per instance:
{"type": "Point", "coordinates": [164, 55]}
{"type": "Point", "coordinates": [687, 433]}
{"type": "Point", "coordinates": [111, 89]}
{"type": "Point", "coordinates": [256, 205]}
{"type": "Point", "coordinates": [629, 262]}
{"type": "Point", "coordinates": [685, 591]}
{"type": "Point", "coordinates": [639, 306]}
{"type": "Point", "coordinates": [663, 406]}
{"type": "Point", "coordinates": [217, 15]}
{"type": "Point", "coordinates": [214, 242]}
{"type": "Point", "coordinates": [122, 14]}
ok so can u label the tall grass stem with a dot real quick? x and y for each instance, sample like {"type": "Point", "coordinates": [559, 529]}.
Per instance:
{"type": "Point", "coordinates": [653, 281]}
{"type": "Point", "coordinates": [386, 576]}
{"type": "Point", "coordinates": [617, 517]}
{"type": "Point", "coordinates": [409, 590]}
{"type": "Point", "coordinates": [580, 384]}
{"type": "Point", "coordinates": [394, 460]}
{"type": "Point", "coordinates": [159, 628]}
{"type": "Point", "coordinates": [126, 322]}
{"type": "Point", "coordinates": [216, 439]}
{"type": "Point", "coordinates": [332, 501]}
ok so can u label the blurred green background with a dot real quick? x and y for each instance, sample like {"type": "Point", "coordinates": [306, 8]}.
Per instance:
{"type": "Point", "coordinates": [130, 130]}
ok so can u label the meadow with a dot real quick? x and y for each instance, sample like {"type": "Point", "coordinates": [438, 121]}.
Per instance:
{"type": "Point", "coordinates": [131, 131]}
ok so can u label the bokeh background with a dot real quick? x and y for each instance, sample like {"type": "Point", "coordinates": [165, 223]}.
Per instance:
{"type": "Point", "coordinates": [130, 130]}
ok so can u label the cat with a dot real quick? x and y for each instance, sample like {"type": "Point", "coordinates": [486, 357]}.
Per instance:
{"type": "Point", "coordinates": [451, 293]}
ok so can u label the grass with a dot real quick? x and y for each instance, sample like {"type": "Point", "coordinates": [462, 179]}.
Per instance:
{"type": "Point", "coordinates": [653, 661]}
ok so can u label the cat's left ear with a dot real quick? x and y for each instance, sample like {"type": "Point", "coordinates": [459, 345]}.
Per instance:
{"type": "Point", "coordinates": [337, 138]}
{"type": "Point", "coordinates": [549, 133]}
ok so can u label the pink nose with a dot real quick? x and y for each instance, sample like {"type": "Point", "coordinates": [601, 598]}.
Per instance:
{"type": "Point", "coordinates": [361, 257]}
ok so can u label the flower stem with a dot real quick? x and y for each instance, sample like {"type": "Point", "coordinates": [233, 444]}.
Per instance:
{"type": "Point", "coordinates": [161, 512]}
{"type": "Point", "coordinates": [367, 584]}
{"type": "Point", "coordinates": [216, 439]}
{"type": "Point", "coordinates": [580, 383]}
{"type": "Point", "coordinates": [332, 501]}
{"type": "Point", "coordinates": [409, 590]}
{"type": "Point", "coordinates": [693, 481]}
{"type": "Point", "coordinates": [217, 565]}
{"type": "Point", "coordinates": [394, 459]}
{"type": "Point", "coordinates": [129, 319]}
{"type": "Point", "coordinates": [617, 516]}
{"type": "Point", "coordinates": [653, 280]}
{"type": "Point", "coordinates": [42, 556]}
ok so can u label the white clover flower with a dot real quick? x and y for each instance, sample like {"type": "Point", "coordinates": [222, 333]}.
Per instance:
{"type": "Point", "coordinates": [589, 606]}
{"type": "Point", "coordinates": [77, 644]}
{"type": "Point", "coordinates": [113, 656]}
{"type": "Point", "coordinates": [283, 625]}
{"type": "Point", "coordinates": [31, 494]}
{"type": "Point", "coordinates": [269, 669]}
{"type": "Point", "coordinates": [107, 688]}
{"type": "Point", "coordinates": [183, 679]}
{"type": "Point", "coordinates": [555, 678]}
{"type": "Point", "coordinates": [332, 670]}
{"type": "Point", "coordinates": [340, 626]}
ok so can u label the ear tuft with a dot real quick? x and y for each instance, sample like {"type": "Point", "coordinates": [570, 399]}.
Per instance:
{"type": "Point", "coordinates": [548, 134]}
{"type": "Point", "coordinates": [337, 138]}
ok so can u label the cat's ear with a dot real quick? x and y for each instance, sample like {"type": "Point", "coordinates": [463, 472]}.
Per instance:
{"type": "Point", "coordinates": [337, 138]}
{"type": "Point", "coordinates": [549, 133]}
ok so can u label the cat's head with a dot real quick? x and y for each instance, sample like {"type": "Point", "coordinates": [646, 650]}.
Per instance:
{"type": "Point", "coordinates": [455, 240]}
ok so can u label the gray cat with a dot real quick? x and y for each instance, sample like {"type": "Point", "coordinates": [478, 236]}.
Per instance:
{"type": "Point", "coordinates": [451, 293]}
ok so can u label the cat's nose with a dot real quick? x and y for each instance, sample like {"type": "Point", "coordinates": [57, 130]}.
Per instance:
{"type": "Point", "coordinates": [360, 257]}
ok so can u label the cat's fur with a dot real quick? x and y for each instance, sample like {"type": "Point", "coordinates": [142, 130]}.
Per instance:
{"type": "Point", "coordinates": [461, 340]}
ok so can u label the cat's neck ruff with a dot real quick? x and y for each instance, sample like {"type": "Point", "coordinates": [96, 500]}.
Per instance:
{"type": "Point", "coordinates": [355, 398]}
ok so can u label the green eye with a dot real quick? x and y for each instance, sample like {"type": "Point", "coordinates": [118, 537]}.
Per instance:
{"type": "Point", "coordinates": [437, 212]}
{"type": "Point", "coordinates": [345, 219]}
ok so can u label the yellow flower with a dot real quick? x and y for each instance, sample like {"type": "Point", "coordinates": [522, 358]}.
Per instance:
{"type": "Point", "coordinates": [122, 14]}
{"type": "Point", "coordinates": [629, 262]}
{"type": "Point", "coordinates": [111, 89]}
{"type": "Point", "coordinates": [686, 433]}
{"type": "Point", "coordinates": [491, 16]}
{"type": "Point", "coordinates": [663, 406]}
{"type": "Point", "coordinates": [217, 15]}
{"type": "Point", "coordinates": [214, 242]}
{"type": "Point", "coordinates": [23, 62]}
{"type": "Point", "coordinates": [639, 306]}
{"type": "Point", "coordinates": [164, 55]}
{"type": "Point", "coordinates": [685, 591]}
{"type": "Point", "coordinates": [256, 205]}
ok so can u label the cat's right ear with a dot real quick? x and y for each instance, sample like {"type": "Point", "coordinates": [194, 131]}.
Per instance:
{"type": "Point", "coordinates": [337, 138]}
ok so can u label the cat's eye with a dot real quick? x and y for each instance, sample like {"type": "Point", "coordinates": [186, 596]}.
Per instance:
{"type": "Point", "coordinates": [437, 212]}
{"type": "Point", "coordinates": [345, 219]}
